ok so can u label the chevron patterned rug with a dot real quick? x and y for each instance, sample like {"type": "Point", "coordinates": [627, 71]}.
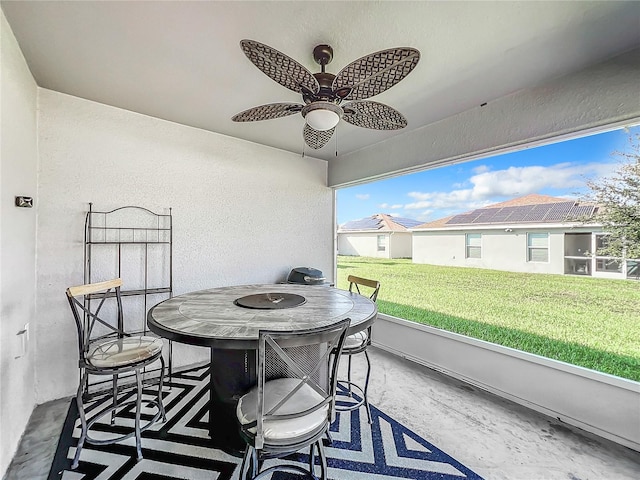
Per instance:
{"type": "Point", "coordinates": [178, 448]}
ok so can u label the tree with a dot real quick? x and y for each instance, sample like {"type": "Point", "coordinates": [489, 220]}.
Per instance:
{"type": "Point", "coordinates": [619, 200]}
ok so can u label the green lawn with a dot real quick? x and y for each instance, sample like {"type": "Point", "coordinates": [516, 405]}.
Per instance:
{"type": "Point", "coordinates": [590, 322]}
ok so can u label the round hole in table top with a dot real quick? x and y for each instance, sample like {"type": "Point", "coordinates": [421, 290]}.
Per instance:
{"type": "Point", "coordinates": [270, 301]}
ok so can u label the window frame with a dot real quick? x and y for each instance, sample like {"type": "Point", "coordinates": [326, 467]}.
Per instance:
{"type": "Point", "coordinates": [381, 245]}
{"type": "Point", "coordinates": [531, 247]}
{"type": "Point", "coordinates": [468, 245]}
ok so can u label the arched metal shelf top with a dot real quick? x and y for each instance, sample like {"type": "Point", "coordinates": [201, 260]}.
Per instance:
{"type": "Point", "coordinates": [130, 206]}
{"type": "Point", "coordinates": [107, 227]}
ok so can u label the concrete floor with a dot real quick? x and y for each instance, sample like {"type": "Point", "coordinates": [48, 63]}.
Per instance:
{"type": "Point", "coordinates": [493, 437]}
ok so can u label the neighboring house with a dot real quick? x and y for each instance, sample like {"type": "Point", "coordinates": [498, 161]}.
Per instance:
{"type": "Point", "coordinates": [380, 235]}
{"type": "Point", "coordinates": [534, 233]}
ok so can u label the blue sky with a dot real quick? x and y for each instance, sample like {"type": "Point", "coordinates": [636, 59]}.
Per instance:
{"type": "Point", "coordinates": [559, 169]}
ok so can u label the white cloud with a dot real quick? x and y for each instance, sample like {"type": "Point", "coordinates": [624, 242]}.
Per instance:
{"type": "Point", "coordinates": [387, 206]}
{"type": "Point", "coordinates": [487, 187]}
{"type": "Point", "coordinates": [481, 169]}
{"type": "Point", "coordinates": [363, 196]}
{"type": "Point", "coordinates": [425, 216]}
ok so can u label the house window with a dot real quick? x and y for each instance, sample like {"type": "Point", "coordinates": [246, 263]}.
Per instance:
{"type": "Point", "coordinates": [474, 248]}
{"type": "Point", "coordinates": [382, 243]}
{"type": "Point", "coordinates": [537, 247]}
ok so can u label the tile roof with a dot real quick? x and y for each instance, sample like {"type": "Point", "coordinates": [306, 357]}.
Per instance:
{"type": "Point", "coordinates": [380, 222]}
{"type": "Point", "coordinates": [531, 199]}
{"type": "Point", "coordinates": [532, 208]}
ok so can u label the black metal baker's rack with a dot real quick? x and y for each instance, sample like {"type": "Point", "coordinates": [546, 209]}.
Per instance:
{"type": "Point", "coordinates": [126, 240]}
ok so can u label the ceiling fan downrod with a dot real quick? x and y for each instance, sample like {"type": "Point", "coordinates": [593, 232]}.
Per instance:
{"type": "Point", "coordinates": [323, 54]}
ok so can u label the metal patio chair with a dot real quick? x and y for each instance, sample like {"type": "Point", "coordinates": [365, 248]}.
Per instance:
{"type": "Point", "coordinates": [104, 348]}
{"type": "Point", "coordinates": [292, 405]}
{"type": "Point", "coordinates": [358, 343]}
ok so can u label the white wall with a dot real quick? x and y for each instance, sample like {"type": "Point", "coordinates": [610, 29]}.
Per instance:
{"type": "Point", "coordinates": [365, 244]}
{"type": "Point", "coordinates": [361, 244]}
{"type": "Point", "coordinates": [242, 213]}
{"type": "Point", "coordinates": [18, 176]}
{"type": "Point", "coordinates": [500, 250]}
{"type": "Point", "coordinates": [400, 245]}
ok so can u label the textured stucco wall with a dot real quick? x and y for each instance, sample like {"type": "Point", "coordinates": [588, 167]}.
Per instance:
{"type": "Point", "coordinates": [500, 250]}
{"type": "Point", "coordinates": [400, 245]}
{"type": "Point", "coordinates": [18, 176]}
{"type": "Point", "coordinates": [365, 244]}
{"type": "Point", "coordinates": [242, 212]}
{"type": "Point", "coordinates": [362, 244]}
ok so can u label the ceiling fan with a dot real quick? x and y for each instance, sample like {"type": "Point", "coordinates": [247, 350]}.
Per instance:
{"type": "Point", "coordinates": [324, 93]}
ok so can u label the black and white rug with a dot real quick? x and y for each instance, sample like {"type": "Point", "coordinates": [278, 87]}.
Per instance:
{"type": "Point", "coordinates": [178, 448]}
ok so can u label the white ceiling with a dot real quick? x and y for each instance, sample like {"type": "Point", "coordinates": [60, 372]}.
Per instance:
{"type": "Point", "coordinates": [181, 61]}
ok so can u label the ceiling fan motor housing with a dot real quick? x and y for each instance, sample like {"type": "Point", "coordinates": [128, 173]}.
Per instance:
{"type": "Point", "coordinates": [325, 92]}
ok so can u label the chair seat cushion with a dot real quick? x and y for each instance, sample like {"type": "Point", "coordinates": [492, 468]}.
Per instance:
{"type": "Point", "coordinates": [280, 429]}
{"type": "Point", "coordinates": [356, 340]}
{"type": "Point", "coordinates": [119, 352]}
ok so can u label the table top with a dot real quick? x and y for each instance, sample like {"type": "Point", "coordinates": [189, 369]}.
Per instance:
{"type": "Point", "coordinates": [211, 318]}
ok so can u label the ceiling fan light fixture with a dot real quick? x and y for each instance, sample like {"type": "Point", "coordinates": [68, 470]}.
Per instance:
{"type": "Point", "coordinates": [322, 115]}
{"type": "Point", "coordinates": [322, 119]}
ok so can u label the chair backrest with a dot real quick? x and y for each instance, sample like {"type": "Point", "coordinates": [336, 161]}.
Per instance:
{"type": "Point", "coordinates": [372, 286]}
{"type": "Point", "coordinates": [306, 357]}
{"type": "Point", "coordinates": [86, 302]}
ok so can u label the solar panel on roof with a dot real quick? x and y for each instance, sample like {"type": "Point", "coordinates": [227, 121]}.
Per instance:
{"type": "Point", "coordinates": [374, 223]}
{"type": "Point", "coordinates": [537, 213]}
{"type": "Point", "coordinates": [546, 212]}
{"type": "Point", "coordinates": [520, 212]}
{"type": "Point", "coordinates": [369, 223]}
{"type": "Point", "coordinates": [486, 215]}
{"type": "Point", "coordinates": [502, 214]}
{"type": "Point", "coordinates": [535, 216]}
{"type": "Point", "coordinates": [482, 219]}
{"type": "Point", "coordinates": [406, 222]}
{"type": "Point", "coordinates": [580, 211]}
{"type": "Point", "coordinates": [558, 211]}
{"type": "Point", "coordinates": [462, 219]}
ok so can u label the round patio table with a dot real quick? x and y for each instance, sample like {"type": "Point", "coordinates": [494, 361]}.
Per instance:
{"type": "Point", "coordinates": [220, 319]}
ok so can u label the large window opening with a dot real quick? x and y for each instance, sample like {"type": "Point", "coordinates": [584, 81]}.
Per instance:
{"type": "Point", "coordinates": [577, 247]}
{"type": "Point", "coordinates": [542, 286]}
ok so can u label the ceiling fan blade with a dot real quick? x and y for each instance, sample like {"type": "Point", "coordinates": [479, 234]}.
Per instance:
{"type": "Point", "coordinates": [374, 115]}
{"type": "Point", "coordinates": [267, 112]}
{"type": "Point", "coordinates": [279, 67]}
{"type": "Point", "coordinates": [316, 138]}
{"type": "Point", "coordinates": [375, 73]}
